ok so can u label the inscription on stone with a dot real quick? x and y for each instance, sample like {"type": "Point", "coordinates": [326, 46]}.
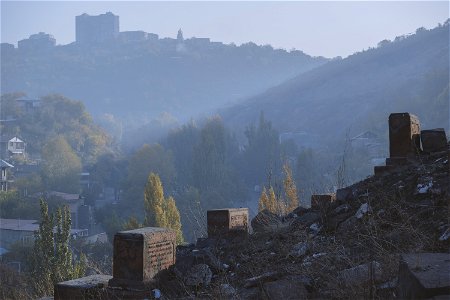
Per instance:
{"type": "Point", "coordinates": [141, 253]}
{"type": "Point", "coordinates": [221, 221]}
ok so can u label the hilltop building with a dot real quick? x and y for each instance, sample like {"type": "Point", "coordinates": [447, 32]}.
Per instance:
{"type": "Point", "coordinates": [180, 35]}
{"type": "Point", "coordinates": [95, 29]}
{"type": "Point", "coordinates": [39, 41]}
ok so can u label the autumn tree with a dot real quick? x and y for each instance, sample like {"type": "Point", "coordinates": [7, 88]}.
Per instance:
{"type": "Point", "coordinates": [61, 166]}
{"type": "Point", "coordinates": [290, 190]}
{"type": "Point", "coordinates": [268, 201]}
{"type": "Point", "coordinates": [51, 259]}
{"type": "Point", "coordinates": [160, 212]}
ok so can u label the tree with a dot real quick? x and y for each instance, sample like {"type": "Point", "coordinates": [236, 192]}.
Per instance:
{"type": "Point", "coordinates": [61, 166]}
{"type": "Point", "coordinates": [131, 224]}
{"type": "Point", "coordinates": [268, 201]}
{"type": "Point", "coordinates": [290, 189]}
{"type": "Point", "coordinates": [160, 212]}
{"type": "Point", "coordinates": [262, 152]}
{"type": "Point", "coordinates": [51, 260]}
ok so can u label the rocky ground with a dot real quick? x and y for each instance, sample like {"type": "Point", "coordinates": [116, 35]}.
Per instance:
{"type": "Point", "coordinates": [349, 248]}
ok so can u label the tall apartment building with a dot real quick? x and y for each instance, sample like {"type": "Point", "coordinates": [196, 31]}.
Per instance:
{"type": "Point", "coordinates": [95, 29]}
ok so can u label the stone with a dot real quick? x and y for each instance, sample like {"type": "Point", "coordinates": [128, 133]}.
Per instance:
{"type": "Point", "coordinates": [404, 135]}
{"type": "Point", "coordinates": [363, 209]}
{"type": "Point", "coordinates": [306, 219]}
{"type": "Point", "coordinates": [342, 208]}
{"type": "Point", "coordinates": [140, 254]}
{"type": "Point", "coordinates": [345, 194]}
{"type": "Point", "coordinates": [266, 221]}
{"type": "Point", "coordinates": [322, 202]}
{"type": "Point", "coordinates": [257, 280]}
{"type": "Point", "coordinates": [423, 275]}
{"type": "Point", "coordinates": [227, 290]}
{"type": "Point", "coordinates": [199, 275]}
{"type": "Point", "coordinates": [433, 140]}
{"type": "Point", "coordinates": [285, 289]}
{"type": "Point", "coordinates": [361, 274]}
{"type": "Point", "coordinates": [300, 249]}
{"type": "Point", "coordinates": [90, 287]}
{"type": "Point", "coordinates": [223, 221]}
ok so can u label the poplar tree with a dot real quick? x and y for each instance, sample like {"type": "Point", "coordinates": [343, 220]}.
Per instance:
{"type": "Point", "coordinates": [160, 212]}
{"type": "Point", "coordinates": [290, 190]}
{"type": "Point", "coordinates": [51, 260]}
{"type": "Point", "coordinates": [268, 201]}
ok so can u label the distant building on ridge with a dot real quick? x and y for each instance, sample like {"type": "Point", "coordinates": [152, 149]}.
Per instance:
{"type": "Point", "coordinates": [38, 41]}
{"type": "Point", "coordinates": [95, 29]}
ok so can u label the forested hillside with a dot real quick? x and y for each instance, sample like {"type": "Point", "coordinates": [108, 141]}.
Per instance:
{"type": "Point", "coordinates": [355, 94]}
{"type": "Point", "coordinates": [140, 80]}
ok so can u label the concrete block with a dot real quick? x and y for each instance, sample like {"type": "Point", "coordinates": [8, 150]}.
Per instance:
{"type": "Point", "coordinates": [424, 275]}
{"type": "Point", "coordinates": [433, 140]}
{"type": "Point", "coordinates": [222, 221]}
{"type": "Point", "coordinates": [404, 135]}
{"type": "Point", "coordinates": [140, 254]}
{"type": "Point", "coordinates": [90, 287]}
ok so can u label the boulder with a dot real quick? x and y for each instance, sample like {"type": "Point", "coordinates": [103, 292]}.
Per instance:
{"type": "Point", "coordinates": [345, 194]}
{"type": "Point", "coordinates": [424, 275]}
{"type": "Point", "coordinates": [266, 221]}
{"type": "Point", "coordinates": [227, 291]}
{"type": "Point", "coordinates": [306, 219]}
{"type": "Point", "coordinates": [198, 275]}
{"type": "Point", "coordinates": [300, 249]}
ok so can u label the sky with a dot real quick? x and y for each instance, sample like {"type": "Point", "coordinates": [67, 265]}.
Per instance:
{"type": "Point", "coordinates": [319, 28]}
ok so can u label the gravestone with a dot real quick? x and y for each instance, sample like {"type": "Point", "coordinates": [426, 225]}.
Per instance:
{"type": "Point", "coordinates": [227, 220]}
{"type": "Point", "coordinates": [433, 140]}
{"type": "Point", "coordinates": [140, 254]}
{"type": "Point", "coordinates": [90, 287]}
{"type": "Point", "coordinates": [404, 135]}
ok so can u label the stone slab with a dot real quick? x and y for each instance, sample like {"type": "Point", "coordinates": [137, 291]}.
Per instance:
{"type": "Point", "coordinates": [424, 275]}
{"type": "Point", "coordinates": [433, 140]}
{"type": "Point", "coordinates": [404, 135]}
{"type": "Point", "coordinates": [90, 287]}
{"type": "Point", "coordinates": [322, 202]}
{"type": "Point", "coordinates": [222, 221]}
{"type": "Point", "coordinates": [140, 254]}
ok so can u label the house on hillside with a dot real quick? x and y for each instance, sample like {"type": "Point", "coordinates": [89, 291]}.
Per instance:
{"type": "Point", "coordinates": [4, 176]}
{"type": "Point", "coordinates": [22, 231]}
{"type": "Point", "coordinates": [16, 146]}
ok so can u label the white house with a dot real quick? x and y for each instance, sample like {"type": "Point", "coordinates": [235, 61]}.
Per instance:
{"type": "Point", "coordinates": [16, 146]}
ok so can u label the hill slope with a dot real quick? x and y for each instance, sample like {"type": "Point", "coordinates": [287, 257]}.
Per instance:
{"type": "Point", "coordinates": [409, 74]}
{"type": "Point", "coordinates": [143, 79]}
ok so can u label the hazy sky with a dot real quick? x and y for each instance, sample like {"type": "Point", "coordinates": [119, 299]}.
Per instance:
{"type": "Point", "coordinates": [317, 28]}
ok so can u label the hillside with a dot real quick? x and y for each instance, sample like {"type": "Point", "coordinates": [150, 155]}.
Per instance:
{"type": "Point", "coordinates": [140, 80]}
{"type": "Point", "coordinates": [408, 74]}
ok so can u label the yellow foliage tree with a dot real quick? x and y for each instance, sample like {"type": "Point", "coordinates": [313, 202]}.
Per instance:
{"type": "Point", "coordinates": [160, 212]}
{"type": "Point", "coordinates": [268, 201]}
{"type": "Point", "coordinates": [173, 218]}
{"type": "Point", "coordinates": [290, 190]}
